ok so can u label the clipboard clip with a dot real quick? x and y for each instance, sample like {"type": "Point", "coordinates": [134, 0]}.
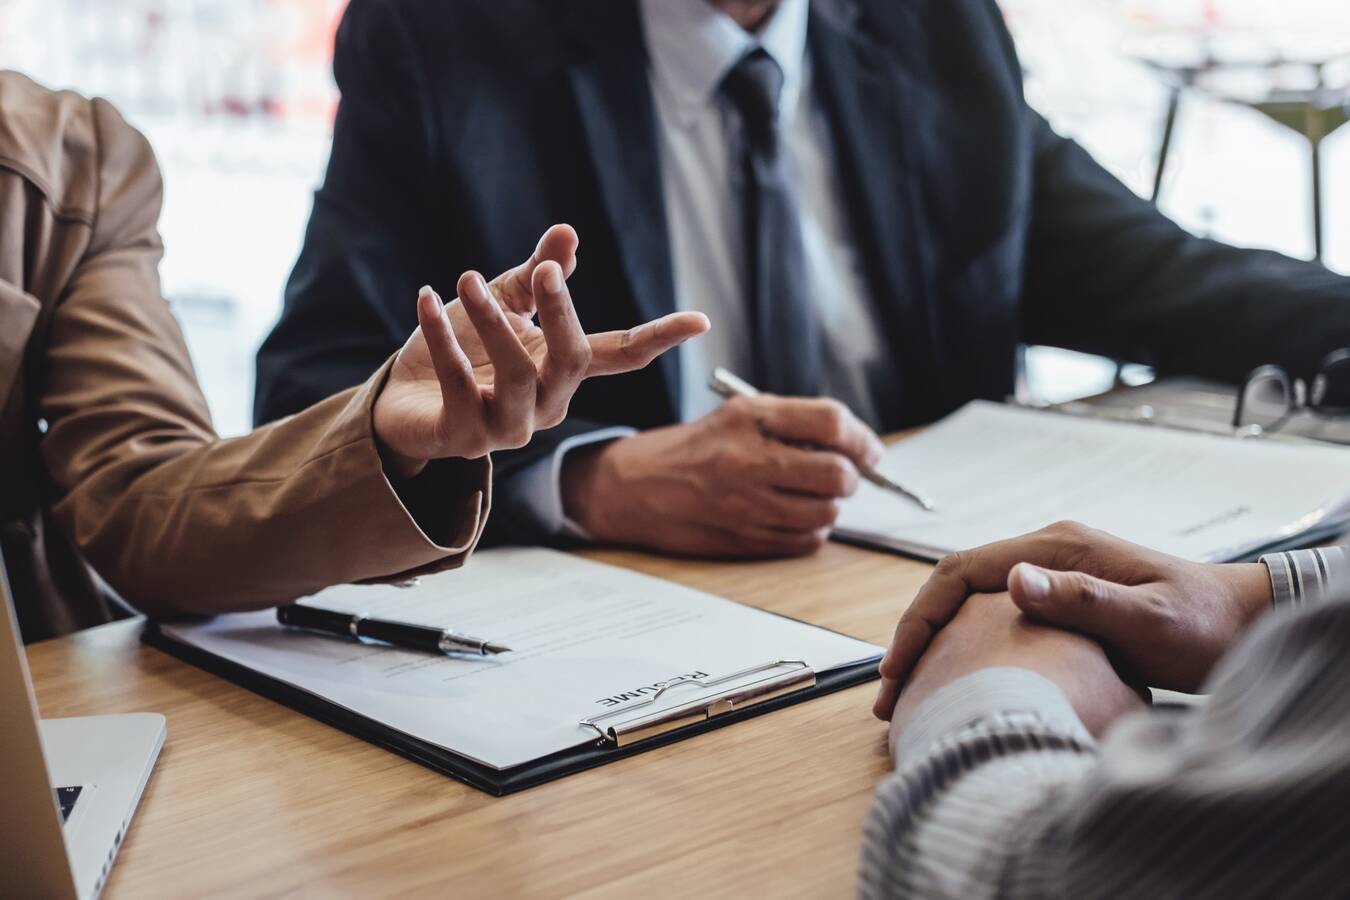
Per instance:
{"type": "Point", "coordinates": [793, 675]}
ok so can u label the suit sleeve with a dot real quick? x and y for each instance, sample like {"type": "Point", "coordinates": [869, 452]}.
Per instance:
{"type": "Point", "coordinates": [372, 241]}
{"type": "Point", "coordinates": [374, 229]}
{"type": "Point", "coordinates": [1107, 273]}
{"type": "Point", "coordinates": [176, 520]}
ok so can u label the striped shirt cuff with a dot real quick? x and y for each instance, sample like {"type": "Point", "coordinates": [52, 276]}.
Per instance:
{"type": "Point", "coordinates": [996, 691]}
{"type": "Point", "coordinates": [1299, 577]}
{"type": "Point", "coordinates": [977, 756]}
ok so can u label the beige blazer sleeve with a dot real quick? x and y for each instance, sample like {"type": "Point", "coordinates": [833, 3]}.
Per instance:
{"type": "Point", "coordinates": [177, 520]}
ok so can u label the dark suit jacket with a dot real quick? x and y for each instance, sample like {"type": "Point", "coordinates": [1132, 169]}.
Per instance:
{"type": "Point", "coordinates": [466, 128]}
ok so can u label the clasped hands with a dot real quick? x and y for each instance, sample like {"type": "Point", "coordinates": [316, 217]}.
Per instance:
{"type": "Point", "coordinates": [1099, 617]}
{"type": "Point", "coordinates": [479, 375]}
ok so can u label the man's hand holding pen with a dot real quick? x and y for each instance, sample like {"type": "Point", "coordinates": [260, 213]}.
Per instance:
{"type": "Point", "coordinates": [760, 476]}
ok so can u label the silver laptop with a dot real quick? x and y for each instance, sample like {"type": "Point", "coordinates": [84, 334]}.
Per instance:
{"type": "Point", "coordinates": [71, 785]}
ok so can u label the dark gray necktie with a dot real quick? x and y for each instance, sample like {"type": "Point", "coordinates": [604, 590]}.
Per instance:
{"type": "Point", "coordinates": [783, 322]}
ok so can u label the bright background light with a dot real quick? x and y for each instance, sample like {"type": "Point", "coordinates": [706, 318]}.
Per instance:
{"type": "Point", "coordinates": [237, 97]}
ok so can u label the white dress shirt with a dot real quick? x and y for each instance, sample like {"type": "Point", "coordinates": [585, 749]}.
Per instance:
{"type": "Point", "coordinates": [692, 46]}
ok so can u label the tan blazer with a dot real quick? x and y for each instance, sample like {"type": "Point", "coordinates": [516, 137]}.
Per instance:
{"type": "Point", "coordinates": [108, 462]}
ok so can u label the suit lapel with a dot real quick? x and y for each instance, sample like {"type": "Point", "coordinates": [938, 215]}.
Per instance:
{"type": "Point", "coordinates": [877, 111]}
{"type": "Point", "coordinates": [618, 117]}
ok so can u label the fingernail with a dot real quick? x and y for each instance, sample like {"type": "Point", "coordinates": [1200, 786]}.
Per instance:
{"type": "Point", "coordinates": [427, 291]}
{"type": "Point", "coordinates": [553, 282]}
{"type": "Point", "coordinates": [1034, 581]}
{"type": "Point", "coordinates": [478, 287]}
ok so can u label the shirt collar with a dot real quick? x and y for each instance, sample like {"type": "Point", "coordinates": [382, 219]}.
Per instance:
{"type": "Point", "coordinates": [692, 46]}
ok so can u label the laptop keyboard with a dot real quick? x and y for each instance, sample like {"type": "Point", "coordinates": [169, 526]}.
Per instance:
{"type": "Point", "coordinates": [66, 797]}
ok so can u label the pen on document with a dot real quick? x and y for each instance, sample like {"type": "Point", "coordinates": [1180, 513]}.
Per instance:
{"type": "Point", "coordinates": [727, 385]}
{"type": "Point", "coordinates": [398, 634]}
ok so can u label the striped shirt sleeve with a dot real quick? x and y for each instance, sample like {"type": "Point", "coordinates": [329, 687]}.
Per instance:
{"type": "Point", "coordinates": [1244, 797]}
{"type": "Point", "coordinates": [1303, 576]}
{"type": "Point", "coordinates": [1000, 732]}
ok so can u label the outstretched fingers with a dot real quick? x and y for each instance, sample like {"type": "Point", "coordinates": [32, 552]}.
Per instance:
{"type": "Point", "coordinates": [453, 370]}
{"type": "Point", "coordinates": [510, 408]}
{"type": "Point", "coordinates": [614, 352]}
{"type": "Point", "coordinates": [569, 352]}
{"type": "Point", "coordinates": [514, 287]}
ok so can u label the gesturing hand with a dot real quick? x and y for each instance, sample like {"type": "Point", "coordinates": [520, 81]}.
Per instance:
{"type": "Point", "coordinates": [1167, 619]}
{"type": "Point", "coordinates": [478, 375]}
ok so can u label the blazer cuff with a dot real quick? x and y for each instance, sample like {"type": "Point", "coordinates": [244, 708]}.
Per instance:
{"type": "Point", "coordinates": [427, 523]}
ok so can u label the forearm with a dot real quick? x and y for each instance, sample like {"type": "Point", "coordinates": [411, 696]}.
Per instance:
{"type": "Point", "coordinates": [176, 520]}
{"type": "Point", "coordinates": [1243, 797]}
{"type": "Point", "coordinates": [982, 758]}
{"type": "Point", "coordinates": [186, 524]}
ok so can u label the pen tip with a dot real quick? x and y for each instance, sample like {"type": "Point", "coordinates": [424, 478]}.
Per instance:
{"type": "Point", "coordinates": [491, 649]}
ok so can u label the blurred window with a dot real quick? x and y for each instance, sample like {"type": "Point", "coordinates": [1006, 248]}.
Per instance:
{"type": "Point", "coordinates": [237, 97]}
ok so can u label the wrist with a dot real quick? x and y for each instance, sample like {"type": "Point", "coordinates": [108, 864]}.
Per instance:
{"type": "Point", "coordinates": [1250, 588]}
{"type": "Point", "coordinates": [398, 467]}
{"type": "Point", "coordinates": [582, 483]}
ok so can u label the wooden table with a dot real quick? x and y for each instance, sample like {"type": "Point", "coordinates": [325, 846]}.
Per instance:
{"type": "Point", "coordinates": [250, 798]}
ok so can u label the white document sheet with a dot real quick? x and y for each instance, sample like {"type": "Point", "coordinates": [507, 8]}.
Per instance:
{"type": "Point", "coordinates": [585, 638]}
{"type": "Point", "coordinates": [996, 472]}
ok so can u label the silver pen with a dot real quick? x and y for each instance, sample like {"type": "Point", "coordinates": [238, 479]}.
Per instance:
{"type": "Point", "coordinates": [727, 385]}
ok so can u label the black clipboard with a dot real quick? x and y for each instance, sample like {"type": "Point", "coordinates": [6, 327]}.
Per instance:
{"type": "Point", "coordinates": [1316, 536]}
{"type": "Point", "coordinates": [498, 782]}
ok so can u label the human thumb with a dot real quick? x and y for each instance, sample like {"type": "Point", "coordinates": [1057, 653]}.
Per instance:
{"type": "Point", "coordinates": [1071, 600]}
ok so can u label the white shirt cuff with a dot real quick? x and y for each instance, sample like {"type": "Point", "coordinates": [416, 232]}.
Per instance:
{"type": "Point", "coordinates": [1003, 690]}
{"type": "Point", "coordinates": [535, 492]}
